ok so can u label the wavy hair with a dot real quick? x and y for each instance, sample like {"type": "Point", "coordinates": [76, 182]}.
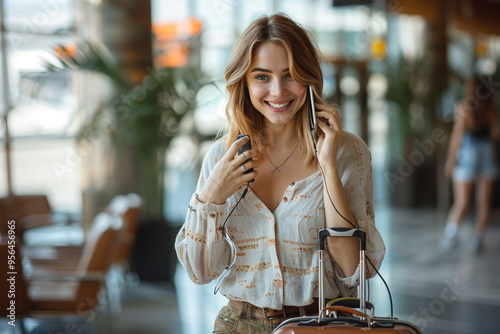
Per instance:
{"type": "Point", "coordinates": [304, 66]}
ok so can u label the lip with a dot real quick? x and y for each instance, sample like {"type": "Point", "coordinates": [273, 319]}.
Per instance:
{"type": "Point", "coordinates": [279, 102]}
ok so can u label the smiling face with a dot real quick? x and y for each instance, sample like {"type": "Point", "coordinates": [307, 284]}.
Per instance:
{"type": "Point", "coordinates": [272, 90]}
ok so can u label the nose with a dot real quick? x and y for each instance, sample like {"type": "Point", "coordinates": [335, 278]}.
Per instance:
{"type": "Point", "coordinates": [278, 88]}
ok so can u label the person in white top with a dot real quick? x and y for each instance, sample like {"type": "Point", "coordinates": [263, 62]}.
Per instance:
{"type": "Point", "coordinates": [274, 227]}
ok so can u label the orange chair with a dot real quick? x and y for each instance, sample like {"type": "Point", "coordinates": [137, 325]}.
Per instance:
{"type": "Point", "coordinates": [66, 257]}
{"type": "Point", "coordinates": [14, 304]}
{"type": "Point", "coordinates": [58, 292]}
{"type": "Point", "coordinates": [128, 207]}
{"type": "Point", "coordinates": [30, 211]}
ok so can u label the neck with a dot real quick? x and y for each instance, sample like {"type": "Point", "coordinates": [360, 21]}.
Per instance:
{"type": "Point", "coordinates": [280, 135]}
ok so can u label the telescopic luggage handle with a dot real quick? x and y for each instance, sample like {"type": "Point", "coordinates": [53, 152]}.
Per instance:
{"type": "Point", "coordinates": [342, 232]}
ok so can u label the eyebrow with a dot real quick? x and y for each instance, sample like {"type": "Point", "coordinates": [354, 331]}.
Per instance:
{"type": "Point", "coordinates": [258, 69]}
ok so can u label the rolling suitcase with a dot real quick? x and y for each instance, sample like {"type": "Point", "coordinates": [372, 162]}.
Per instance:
{"type": "Point", "coordinates": [340, 315]}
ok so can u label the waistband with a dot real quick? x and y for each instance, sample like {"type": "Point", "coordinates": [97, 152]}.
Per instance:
{"type": "Point", "coordinates": [271, 314]}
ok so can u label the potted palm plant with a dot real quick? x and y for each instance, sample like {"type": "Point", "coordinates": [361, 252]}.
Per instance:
{"type": "Point", "coordinates": [139, 122]}
{"type": "Point", "coordinates": [139, 119]}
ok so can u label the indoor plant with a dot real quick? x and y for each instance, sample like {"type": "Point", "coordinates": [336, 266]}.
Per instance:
{"type": "Point", "coordinates": [140, 119]}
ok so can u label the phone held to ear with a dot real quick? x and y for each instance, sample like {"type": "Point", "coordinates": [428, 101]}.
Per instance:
{"type": "Point", "coordinates": [313, 125]}
{"type": "Point", "coordinates": [244, 148]}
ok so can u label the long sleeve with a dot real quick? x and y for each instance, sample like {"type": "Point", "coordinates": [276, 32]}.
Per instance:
{"type": "Point", "coordinates": [200, 246]}
{"type": "Point", "coordinates": [354, 162]}
{"type": "Point", "coordinates": [277, 260]}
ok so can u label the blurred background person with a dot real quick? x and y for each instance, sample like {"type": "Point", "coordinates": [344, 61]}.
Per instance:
{"type": "Point", "coordinates": [472, 162]}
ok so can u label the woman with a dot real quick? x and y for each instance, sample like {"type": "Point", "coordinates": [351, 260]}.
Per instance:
{"type": "Point", "coordinates": [275, 226]}
{"type": "Point", "coordinates": [472, 161]}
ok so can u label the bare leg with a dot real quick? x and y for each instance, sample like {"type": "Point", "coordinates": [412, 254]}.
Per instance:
{"type": "Point", "coordinates": [483, 204]}
{"type": "Point", "coordinates": [462, 198]}
{"type": "Point", "coordinates": [462, 192]}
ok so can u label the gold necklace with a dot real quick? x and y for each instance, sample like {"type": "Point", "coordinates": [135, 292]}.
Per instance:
{"type": "Point", "coordinates": [277, 168]}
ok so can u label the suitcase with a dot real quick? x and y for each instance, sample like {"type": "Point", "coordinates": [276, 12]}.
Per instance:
{"type": "Point", "coordinates": [340, 315]}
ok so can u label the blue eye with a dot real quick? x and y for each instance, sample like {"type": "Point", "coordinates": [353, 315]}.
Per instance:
{"type": "Point", "coordinates": [288, 76]}
{"type": "Point", "coordinates": [261, 77]}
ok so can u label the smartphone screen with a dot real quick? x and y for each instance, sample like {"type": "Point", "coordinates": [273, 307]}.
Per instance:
{"type": "Point", "coordinates": [313, 126]}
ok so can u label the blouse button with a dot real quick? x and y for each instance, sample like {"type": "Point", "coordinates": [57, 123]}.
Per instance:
{"type": "Point", "coordinates": [285, 199]}
{"type": "Point", "coordinates": [212, 215]}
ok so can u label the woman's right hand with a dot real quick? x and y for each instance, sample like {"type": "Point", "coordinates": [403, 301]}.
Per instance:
{"type": "Point", "coordinates": [228, 174]}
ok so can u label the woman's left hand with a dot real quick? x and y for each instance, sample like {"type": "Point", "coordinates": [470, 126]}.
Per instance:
{"type": "Point", "coordinates": [329, 137]}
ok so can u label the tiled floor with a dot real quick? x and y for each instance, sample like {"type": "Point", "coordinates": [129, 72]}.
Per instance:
{"type": "Point", "coordinates": [452, 293]}
{"type": "Point", "coordinates": [456, 292]}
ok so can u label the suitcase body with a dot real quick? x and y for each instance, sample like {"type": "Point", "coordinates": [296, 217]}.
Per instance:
{"type": "Point", "coordinates": [339, 318]}
{"type": "Point", "coordinates": [341, 325]}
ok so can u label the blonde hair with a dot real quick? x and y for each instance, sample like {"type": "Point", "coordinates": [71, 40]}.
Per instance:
{"type": "Point", "coordinates": [304, 66]}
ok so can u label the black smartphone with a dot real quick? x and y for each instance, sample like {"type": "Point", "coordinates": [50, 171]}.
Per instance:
{"type": "Point", "coordinates": [313, 125]}
{"type": "Point", "coordinates": [244, 148]}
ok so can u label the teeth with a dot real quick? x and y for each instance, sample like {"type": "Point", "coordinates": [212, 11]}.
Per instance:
{"type": "Point", "coordinates": [278, 105]}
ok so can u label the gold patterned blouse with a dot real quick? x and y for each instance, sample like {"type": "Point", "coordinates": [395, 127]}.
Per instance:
{"type": "Point", "coordinates": [276, 262]}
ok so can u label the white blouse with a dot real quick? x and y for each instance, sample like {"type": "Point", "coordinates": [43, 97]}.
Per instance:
{"type": "Point", "coordinates": [277, 261]}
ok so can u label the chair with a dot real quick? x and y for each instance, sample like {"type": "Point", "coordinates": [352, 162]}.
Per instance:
{"type": "Point", "coordinates": [120, 278]}
{"type": "Point", "coordinates": [128, 207]}
{"type": "Point", "coordinates": [59, 292]}
{"type": "Point", "coordinates": [29, 212]}
{"type": "Point", "coordinates": [19, 296]}
{"type": "Point", "coordinates": [66, 257]}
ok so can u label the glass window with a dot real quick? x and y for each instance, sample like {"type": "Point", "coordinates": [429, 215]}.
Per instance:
{"type": "Point", "coordinates": [32, 18]}
{"type": "Point", "coordinates": [42, 120]}
{"type": "Point", "coordinates": [50, 167]}
{"type": "Point", "coordinates": [42, 103]}
{"type": "Point", "coordinates": [250, 10]}
{"type": "Point", "coordinates": [299, 10]}
{"type": "Point", "coordinates": [169, 10]}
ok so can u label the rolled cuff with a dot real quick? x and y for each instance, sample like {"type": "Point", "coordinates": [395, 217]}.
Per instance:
{"type": "Point", "coordinates": [212, 214]}
{"type": "Point", "coordinates": [350, 281]}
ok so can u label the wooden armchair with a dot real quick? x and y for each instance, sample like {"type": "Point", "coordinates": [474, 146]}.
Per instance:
{"type": "Point", "coordinates": [59, 292]}
{"type": "Point", "coordinates": [127, 207]}
{"type": "Point", "coordinates": [28, 211]}
{"type": "Point", "coordinates": [67, 257]}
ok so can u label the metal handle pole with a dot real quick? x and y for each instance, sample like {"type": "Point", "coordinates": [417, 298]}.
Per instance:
{"type": "Point", "coordinates": [321, 296]}
{"type": "Point", "coordinates": [342, 232]}
{"type": "Point", "coordinates": [362, 283]}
